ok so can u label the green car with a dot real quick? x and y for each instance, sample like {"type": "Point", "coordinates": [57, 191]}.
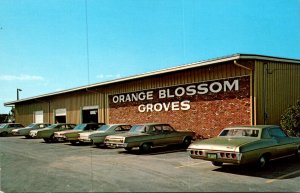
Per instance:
{"type": "Point", "coordinates": [146, 136]}
{"type": "Point", "coordinates": [246, 144]}
{"type": "Point", "coordinates": [73, 134]}
{"type": "Point", "coordinates": [48, 133]}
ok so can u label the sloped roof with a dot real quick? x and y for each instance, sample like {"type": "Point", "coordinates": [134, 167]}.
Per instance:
{"type": "Point", "coordinates": [163, 71]}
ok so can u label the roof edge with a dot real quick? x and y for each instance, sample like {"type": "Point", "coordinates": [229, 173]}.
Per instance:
{"type": "Point", "coordinates": [163, 71]}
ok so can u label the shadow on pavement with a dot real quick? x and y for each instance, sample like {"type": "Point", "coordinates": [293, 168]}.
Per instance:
{"type": "Point", "coordinates": [156, 150]}
{"type": "Point", "coordinates": [280, 169]}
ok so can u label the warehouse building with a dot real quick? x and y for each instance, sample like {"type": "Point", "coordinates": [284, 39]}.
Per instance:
{"type": "Point", "coordinates": [204, 96]}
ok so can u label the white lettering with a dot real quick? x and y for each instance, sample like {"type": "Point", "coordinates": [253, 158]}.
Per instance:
{"type": "Point", "coordinates": [149, 107]}
{"type": "Point", "coordinates": [185, 105]}
{"type": "Point", "coordinates": [175, 106]}
{"type": "Point", "coordinates": [166, 106]}
{"type": "Point", "coordinates": [219, 87]}
{"type": "Point", "coordinates": [115, 99]}
{"type": "Point", "coordinates": [128, 99]}
{"type": "Point", "coordinates": [191, 90]}
{"type": "Point", "coordinates": [169, 95]}
{"type": "Point", "coordinates": [121, 98]}
{"type": "Point", "coordinates": [202, 89]}
{"type": "Point", "coordinates": [234, 84]}
{"type": "Point", "coordinates": [180, 91]}
{"type": "Point", "coordinates": [158, 107]}
{"type": "Point", "coordinates": [150, 95]}
{"type": "Point", "coordinates": [162, 94]}
{"type": "Point", "coordinates": [141, 108]}
{"type": "Point", "coordinates": [134, 96]}
{"type": "Point", "coordinates": [142, 96]}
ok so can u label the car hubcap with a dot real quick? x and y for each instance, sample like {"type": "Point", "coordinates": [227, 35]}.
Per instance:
{"type": "Point", "coordinates": [262, 161]}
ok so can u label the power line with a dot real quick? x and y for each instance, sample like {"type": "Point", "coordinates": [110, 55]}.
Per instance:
{"type": "Point", "coordinates": [87, 41]}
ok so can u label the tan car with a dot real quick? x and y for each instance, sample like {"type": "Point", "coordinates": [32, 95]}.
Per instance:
{"type": "Point", "coordinates": [246, 144]}
{"type": "Point", "coordinates": [97, 137]}
{"type": "Point", "coordinates": [146, 136]}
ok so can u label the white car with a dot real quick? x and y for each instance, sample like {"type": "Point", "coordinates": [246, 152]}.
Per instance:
{"type": "Point", "coordinates": [97, 137]}
{"type": "Point", "coordinates": [6, 128]}
{"type": "Point", "coordinates": [25, 131]}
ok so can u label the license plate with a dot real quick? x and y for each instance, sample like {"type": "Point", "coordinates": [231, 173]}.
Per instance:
{"type": "Point", "coordinates": [212, 156]}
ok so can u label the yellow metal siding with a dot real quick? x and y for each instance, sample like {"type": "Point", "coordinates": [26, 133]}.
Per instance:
{"type": "Point", "coordinates": [279, 84]}
{"type": "Point", "coordinates": [73, 102]}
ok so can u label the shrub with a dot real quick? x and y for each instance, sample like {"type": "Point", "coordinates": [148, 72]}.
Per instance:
{"type": "Point", "coordinates": [290, 120]}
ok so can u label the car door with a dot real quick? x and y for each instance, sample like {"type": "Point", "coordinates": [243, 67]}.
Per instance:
{"type": "Point", "coordinates": [284, 145]}
{"type": "Point", "coordinates": [170, 135]}
{"type": "Point", "coordinates": [156, 135]}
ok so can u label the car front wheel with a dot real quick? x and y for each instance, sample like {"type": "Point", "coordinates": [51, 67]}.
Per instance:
{"type": "Point", "coordinates": [263, 161]}
{"type": "Point", "coordinates": [145, 147]}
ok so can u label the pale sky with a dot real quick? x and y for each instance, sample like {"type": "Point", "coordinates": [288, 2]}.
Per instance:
{"type": "Point", "coordinates": [43, 43]}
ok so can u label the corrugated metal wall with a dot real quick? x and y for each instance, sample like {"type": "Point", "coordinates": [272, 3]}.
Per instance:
{"type": "Point", "coordinates": [277, 87]}
{"type": "Point", "coordinates": [73, 102]}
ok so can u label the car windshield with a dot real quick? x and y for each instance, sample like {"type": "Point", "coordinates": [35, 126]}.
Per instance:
{"type": "Point", "coordinates": [2, 125]}
{"type": "Point", "coordinates": [31, 125]}
{"type": "Point", "coordinates": [239, 132]}
{"type": "Point", "coordinates": [137, 129]}
{"type": "Point", "coordinates": [53, 126]}
{"type": "Point", "coordinates": [80, 127]}
{"type": "Point", "coordinates": [103, 128]}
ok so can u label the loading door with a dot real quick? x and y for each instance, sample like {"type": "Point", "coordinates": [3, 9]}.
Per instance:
{"type": "Point", "coordinates": [90, 114]}
{"type": "Point", "coordinates": [38, 117]}
{"type": "Point", "coordinates": [60, 116]}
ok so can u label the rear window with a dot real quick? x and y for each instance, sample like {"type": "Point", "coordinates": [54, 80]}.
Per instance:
{"type": "Point", "coordinates": [239, 133]}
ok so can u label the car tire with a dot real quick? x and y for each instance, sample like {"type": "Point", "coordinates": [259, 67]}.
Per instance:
{"type": "Point", "coordinates": [27, 136]}
{"type": "Point", "coordinates": [186, 142]}
{"type": "Point", "coordinates": [145, 147]}
{"type": "Point", "coordinates": [4, 134]}
{"type": "Point", "coordinates": [73, 142]}
{"type": "Point", "coordinates": [263, 161]}
{"type": "Point", "coordinates": [215, 163]}
{"type": "Point", "coordinates": [53, 139]}
{"type": "Point", "coordinates": [47, 140]}
{"type": "Point", "coordinates": [297, 154]}
{"type": "Point", "coordinates": [128, 148]}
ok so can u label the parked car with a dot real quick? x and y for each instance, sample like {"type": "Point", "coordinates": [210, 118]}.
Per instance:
{"type": "Point", "coordinates": [25, 131]}
{"type": "Point", "coordinates": [72, 135]}
{"type": "Point", "coordinates": [6, 128]}
{"type": "Point", "coordinates": [246, 144]}
{"type": "Point", "coordinates": [48, 133]}
{"type": "Point", "coordinates": [146, 136]}
{"type": "Point", "coordinates": [97, 137]}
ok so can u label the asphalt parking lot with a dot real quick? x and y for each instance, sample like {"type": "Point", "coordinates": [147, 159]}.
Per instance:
{"type": "Point", "coordinates": [30, 165]}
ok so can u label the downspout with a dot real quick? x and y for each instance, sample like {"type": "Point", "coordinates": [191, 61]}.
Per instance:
{"type": "Point", "coordinates": [253, 117]}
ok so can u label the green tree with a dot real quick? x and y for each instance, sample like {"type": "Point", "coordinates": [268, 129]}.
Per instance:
{"type": "Point", "coordinates": [290, 120]}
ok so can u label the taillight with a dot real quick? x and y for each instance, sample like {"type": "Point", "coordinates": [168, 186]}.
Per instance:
{"type": "Point", "coordinates": [227, 155]}
{"type": "Point", "coordinates": [222, 154]}
{"type": "Point", "coordinates": [200, 152]}
{"type": "Point", "coordinates": [233, 155]}
{"type": "Point", "coordinates": [192, 152]}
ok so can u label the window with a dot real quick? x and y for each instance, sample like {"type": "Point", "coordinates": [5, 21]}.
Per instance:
{"type": "Point", "coordinates": [276, 132]}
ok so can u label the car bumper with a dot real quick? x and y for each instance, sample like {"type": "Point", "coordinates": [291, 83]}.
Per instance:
{"type": "Point", "coordinates": [216, 156]}
{"type": "Point", "coordinates": [109, 144]}
{"type": "Point", "coordinates": [85, 140]}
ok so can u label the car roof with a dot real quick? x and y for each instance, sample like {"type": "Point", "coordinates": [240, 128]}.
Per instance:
{"type": "Point", "coordinates": [252, 126]}
{"type": "Point", "coordinates": [148, 124]}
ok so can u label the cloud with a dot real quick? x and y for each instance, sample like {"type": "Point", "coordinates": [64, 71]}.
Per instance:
{"type": "Point", "coordinates": [108, 76]}
{"type": "Point", "coordinates": [22, 77]}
